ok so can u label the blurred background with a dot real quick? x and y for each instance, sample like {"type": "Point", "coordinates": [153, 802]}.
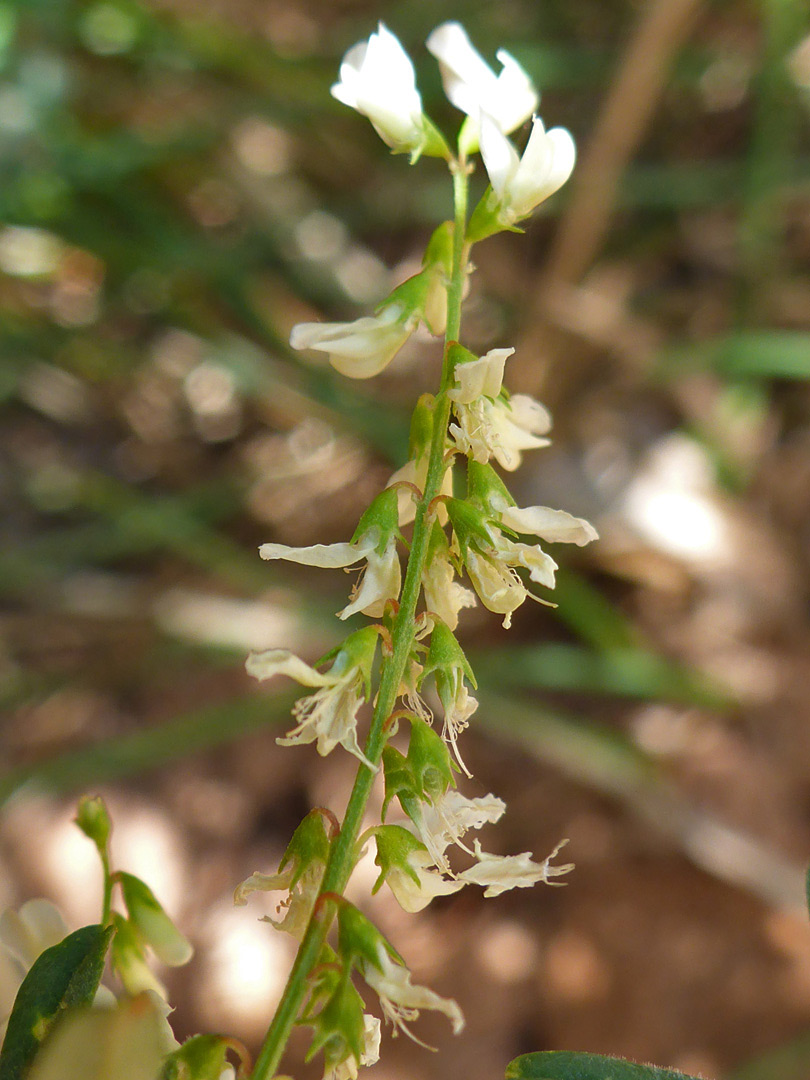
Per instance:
{"type": "Point", "coordinates": [177, 188]}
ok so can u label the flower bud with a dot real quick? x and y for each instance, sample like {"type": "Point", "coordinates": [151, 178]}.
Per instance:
{"type": "Point", "coordinates": [94, 821]}
{"type": "Point", "coordinates": [429, 761]}
{"type": "Point", "coordinates": [128, 960]}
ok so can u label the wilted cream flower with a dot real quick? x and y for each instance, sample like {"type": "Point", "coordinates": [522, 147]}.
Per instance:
{"type": "Point", "coordinates": [471, 84]}
{"type": "Point", "coordinates": [522, 183]}
{"type": "Point", "coordinates": [297, 907]}
{"type": "Point", "coordinates": [501, 872]}
{"type": "Point", "coordinates": [487, 425]}
{"type": "Point", "coordinates": [359, 349]}
{"type": "Point", "coordinates": [329, 716]}
{"type": "Point", "coordinates": [414, 895]}
{"type": "Point", "coordinates": [400, 999]}
{"type": "Point", "coordinates": [378, 80]}
{"type": "Point", "coordinates": [450, 817]}
{"type": "Point", "coordinates": [348, 1069]}
{"type": "Point", "coordinates": [380, 581]}
{"type": "Point", "coordinates": [444, 596]}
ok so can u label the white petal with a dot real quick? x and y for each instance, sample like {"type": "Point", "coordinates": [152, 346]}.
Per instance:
{"type": "Point", "coordinates": [465, 74]}
{"type": "Point", "coordinates": [401, 999]}
{"type": "Point", "coordinates": [547, 162]}
{"type": "Point", "coordinates": [500, 157]}
{"type": "Point", "coordinates": [480, 378]}
{"type": "Point", "coordinates": [380, 583]}
{"type": "Point", "coordinates": [501, 872]}
{"type": "Point", "coordinates": [272, 662]}
{"type": "Point", "coordinates": [27, 933]}
{"type": "Point", "coordinates": [553, 526]}
{"type": "Point", "coordinates": [540, 565]}
{"type": "Point", "coordinates": [329, 556]}
{"type": "Point", "coordinates": [359, 349]}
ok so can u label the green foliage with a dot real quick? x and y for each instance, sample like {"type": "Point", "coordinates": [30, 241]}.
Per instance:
{"type": "Point", "coordinates": [566, 1065]}
{"type": "Point", "coordinates": [202, 1057]}
{"type": "Point", "coordinates": [64, 976]}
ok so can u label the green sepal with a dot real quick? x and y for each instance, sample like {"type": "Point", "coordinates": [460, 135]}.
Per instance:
{"type": "Point", "coordinates": [394, 844]}
{"type": "Point", "coordinates": [383, 515]}
{"type": "Point", "coordinates": [358, 938]}
{"type": "Point", "coordinates": [568, 1065]}
{"type": "Point", "coordinates": [65, 976]}
{"type": "Point", "coordinates": [338, 1027]}
{"type": "Point", "coordinates": [439, 250]}
{"type": "Point", "coordinates": [94, 821]}
{"type": "Point", "coordinates": [487, 220]}
{"type": "Point", "coordinates": [469, 524]}
{"type": "Point", "coordinates": [458, 354]}
{"type": "Point", "coordinates": [485, 488]}
{"type": "Point", "coordinates": [421, 431]}
{"type": "Point", "coordinates": [152, 923]}
{"type": "Point", "coordinates": [399, 779]}
{"type": "Point", "coordinates": [356, 651]}
{"type": "Point", "coordinates": [410, 296]}
{"type": "Point", "coordinates": [202, 1057]}
{"type": "Point", "coordinates": [309, 844]}
{"type": "Point", "coordinates": [446, 655]}
{"type": "Point", "coordinates": [429, 760]}
{"type": "Point", "coordinates": [433, 143]}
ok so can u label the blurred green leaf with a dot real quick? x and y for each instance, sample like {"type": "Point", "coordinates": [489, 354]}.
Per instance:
{"type": "Point", "coordinates": [62, 977]}
{"type": "Point", "coordinates": [569, 1065]}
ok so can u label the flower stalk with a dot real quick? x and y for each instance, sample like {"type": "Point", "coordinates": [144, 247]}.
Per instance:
{"type": "Point", "coordinates": [343, 850]}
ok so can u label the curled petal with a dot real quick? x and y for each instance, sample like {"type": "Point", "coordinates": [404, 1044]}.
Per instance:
{"type": "Point", "coordinates": [328, 556]}
{"type": "Point", "coordinates": [501, 872]}
{"type": "Point", "coordinates": [400, 999]}
{"type": "Point", "coordinates": [272, 662]}
{"type": "Point", "coordinates": [497, 584]}
{"type": "Point", "coordinates": [553, 526]}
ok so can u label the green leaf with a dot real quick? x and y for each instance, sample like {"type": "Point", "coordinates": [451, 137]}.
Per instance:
{"type": "Point", "coordinates": [65, 976]}
{"type": "Point", "coordinates": [571, 1065]}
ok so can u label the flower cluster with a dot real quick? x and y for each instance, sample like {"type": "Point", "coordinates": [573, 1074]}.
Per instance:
{"type": "Point", "coordinates": [472, 425]}
{"type": "Point", "coordinates": [377, 78]}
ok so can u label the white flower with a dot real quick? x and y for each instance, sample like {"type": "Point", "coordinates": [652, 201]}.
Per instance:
{"type": "Point", "coordinates": [414, 895]}
{"type": "Point", "coordinates": [348, 1069]}
{"type": "Point", "coordinates": [501, 872]}
{"type": "Point", "coordinates": [522, 183]}
{"type": "Point", "coordinates": [487, 425]}
{"type": "Point", "coordinates": [24, 935]}
{"type": "Point", "coordinates": [359, 349]}
{"type": "Point", "coordinates": [471, 84]}
{"type": "Point", "coordinates": [380, 581]}
{"type": "Point", "coordinates": [415, 472]}
{"type": "Point", "coordinates": [450, 817]}
{"type": "Point", "coordinates": [378, 80]}
{"type": "Point", "coordinates": [444, 596]}
{"type": "Point", "coordinates": [329, 716]}
{"type": "Point", "coordinates": [400, 999]}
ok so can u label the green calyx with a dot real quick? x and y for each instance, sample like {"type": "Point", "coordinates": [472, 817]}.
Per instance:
{"type": "Point", "coordinates": [485, 489]}
{"type": "Point", "coordinates": [309, 846]}
{"type": "Point", "coordinates": [356, 651]}
{"type": "Point", "coordinates": [383, 516]}
{"type": "Point", "coordinates": [429, 760]}
{"type": "Point", "coordinates": [469, 524]}
{"type": "Point", "coordinates": [338, 1027]}
{"type": "Point", "coordinates": [359, 940]}
{"type": "Point", "coordinates": [394, 846]}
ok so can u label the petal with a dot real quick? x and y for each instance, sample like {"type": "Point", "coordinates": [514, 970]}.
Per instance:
{"type": "Point", "coordinates": [466, 76]}
{"type": "Point", "coordinates": [480, 378]}
{"type": "Point", "coordinates": [553, 526]}
{"type": "Point", "coordinates": [380, 583]}
{"type": "Point", "coordinates": [262, 883]}
{"type": "Point", "coordinates": [329, 556]}
{"type": "Point", "coordinates": [272, 662]}
{"type": "Point", "coordinates": [516, 96]}
{"type": "Point", "coordinates": [500, 157]}
{"type": "Point", "coordinates": [546, 164]}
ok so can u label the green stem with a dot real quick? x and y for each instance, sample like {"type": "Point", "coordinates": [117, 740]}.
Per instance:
{"type": "Point", "coordinates": [343, 849]}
